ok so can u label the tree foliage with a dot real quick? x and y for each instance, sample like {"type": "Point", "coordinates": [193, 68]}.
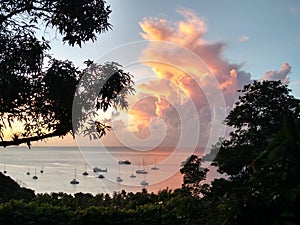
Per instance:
{"type": "Point", "coordinates": [266, 190]}
{"type": "Point", "coordinates": [76, 21]}
{"type": "Point", "coordinates": [269, 192]}
{"type": "Point", "coordinates": [256, 117]}
{"type": "Point", "coordinates": [193, 175]}
{"type": "Point", "coordinates": [36, 89]}
{"type": "Point", "coordinates": [49, 110]}
{"type": "Point", "coordinates": [165, 207]}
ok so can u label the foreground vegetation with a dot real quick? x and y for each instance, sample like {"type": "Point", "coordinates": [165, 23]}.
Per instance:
{"type": "Point", "coordinates": [261, 158]}
{"type": "Point", "coordinates": [166, 207]}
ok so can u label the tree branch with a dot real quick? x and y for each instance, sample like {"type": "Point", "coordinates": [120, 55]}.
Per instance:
{"type": "Point", "coordinates": [13, 13]}
{"type": "Point", "coordinates": [28, 140]}
{"type": "Point", "coordinates": [21, 10]}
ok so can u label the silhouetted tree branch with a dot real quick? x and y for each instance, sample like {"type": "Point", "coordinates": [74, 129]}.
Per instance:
{"type": "Point", "coordinates": [40, 97]}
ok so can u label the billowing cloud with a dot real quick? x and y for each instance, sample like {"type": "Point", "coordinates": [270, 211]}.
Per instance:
{"type": "Point", "coordinates": [281, 75]}
{"type": "Point", "coordinates": [183, 88]}
{"type": "Point", "coordinates": [192, 89]}
{"type": "Point", "coordinates": [186, 33]}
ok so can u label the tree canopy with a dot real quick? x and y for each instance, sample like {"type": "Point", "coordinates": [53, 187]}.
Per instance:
{"type": "Point", "coordinates": [36, 89]}
{"type": "Point", "coordinates": [257, 116]}
{"type": "Point", "coordinates": [261, 155]}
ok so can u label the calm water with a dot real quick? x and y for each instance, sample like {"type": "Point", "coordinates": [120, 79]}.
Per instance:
{"type": "Point", "coordinates": [62, 164]}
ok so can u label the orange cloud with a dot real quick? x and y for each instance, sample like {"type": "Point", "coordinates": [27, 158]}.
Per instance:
{"type": "Point", "coordinates": [185, 33]}
{"type": "Point", "coordinates": [141, 113]}
{"type": "Point", "coordinates": [186, 80]}
{"type": "Point", "coordinates": [160, 106]}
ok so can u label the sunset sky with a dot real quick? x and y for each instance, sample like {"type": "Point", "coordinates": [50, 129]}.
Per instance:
{"type": "Point", "coordinates": [188, 59]}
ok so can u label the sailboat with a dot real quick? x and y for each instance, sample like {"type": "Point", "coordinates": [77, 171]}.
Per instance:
{"type": "Point", "coordinates": [85, 173]}
{"type": "Point", "coordinates": [119, 179]}
{"type": "Point", "coordinates": [101, 176]}
{"type": "Point", "coordinates": [35, 177]}
{"type": "Point", "coordinates": [132, 175]}
{"type": "Point", "coordinates": [42, 170]}
{"type": "Point", "coordinates": [28, 173]}
{"type": "Point", "coordinates": [74, 181]}
{"type": "Point", "coordinates": [144, 182]}
{"type": "Point", "coordinates": [142, 171]}
{"type": "Point", "coordinates": [155, 167]}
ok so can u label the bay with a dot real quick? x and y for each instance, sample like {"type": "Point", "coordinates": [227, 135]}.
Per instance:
{"type": "Point", "coordinates": [61, 164]}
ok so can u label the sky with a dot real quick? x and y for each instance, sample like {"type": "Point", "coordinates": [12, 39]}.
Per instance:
{"type": "Point", "coordinates": [188, 59]}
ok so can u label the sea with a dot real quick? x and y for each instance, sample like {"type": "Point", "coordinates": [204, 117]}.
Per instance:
{"type": "Point", "coordinates": [56, 166]}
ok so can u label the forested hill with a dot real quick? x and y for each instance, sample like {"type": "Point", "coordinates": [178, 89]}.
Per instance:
{"type": "Point", "coordinates": [9, 189]}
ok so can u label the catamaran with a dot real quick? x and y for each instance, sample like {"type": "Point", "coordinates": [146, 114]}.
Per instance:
{"type": "Point", "coordinates": [124, 162]}
{"type": "Point", "coordinates": [142, 171]}
{"type": "Point", "coordinates": [96, 169]}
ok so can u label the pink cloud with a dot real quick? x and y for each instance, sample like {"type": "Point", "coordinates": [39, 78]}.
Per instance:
{"type": "Point", "coordinates": [281, 75]}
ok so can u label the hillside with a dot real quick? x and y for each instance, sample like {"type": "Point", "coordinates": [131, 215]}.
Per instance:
{"type": "Point", "coordinates": [9, 189]}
